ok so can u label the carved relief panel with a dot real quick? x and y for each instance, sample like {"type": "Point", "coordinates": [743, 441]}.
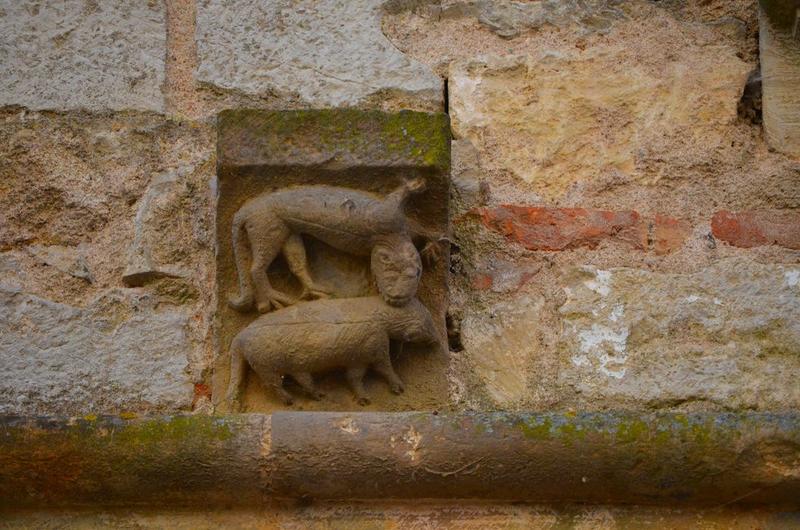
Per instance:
{"type": "Point", "coordinates": [332, 260]}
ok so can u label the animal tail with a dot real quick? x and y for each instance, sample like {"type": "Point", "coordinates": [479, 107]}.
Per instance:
{"type": "Point", "coordinates": [238, 369]}
{"type": "Point", "coordinates": [398, 198]}
{"type": "Point", "coordinates": [244, 302]}
{"type": "Point", "coordinates": [412, 187]}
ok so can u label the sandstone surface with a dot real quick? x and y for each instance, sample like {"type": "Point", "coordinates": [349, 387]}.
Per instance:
{"type": "Point", "coordinates": [780, 70]}
{"type": "Point", "coordinates": [90, 205]}
{"type": "Point", "coordinates": [725, 337]}
{"type": "Point", "coordinates": [555, 118]}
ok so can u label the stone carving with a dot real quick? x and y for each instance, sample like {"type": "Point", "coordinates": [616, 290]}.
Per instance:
{"type": "Point", "coordinates": [321, 335]}
{"type": "Point", "coordinates": [330, 256]}
{"type": "Point", "coordinates": [349, 220]}
{"type": "Point", "coordinates": [353, 334]}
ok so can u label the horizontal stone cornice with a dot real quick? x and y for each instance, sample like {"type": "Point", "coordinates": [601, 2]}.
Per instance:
{"type": "Point", "coordinates": [703, 459]}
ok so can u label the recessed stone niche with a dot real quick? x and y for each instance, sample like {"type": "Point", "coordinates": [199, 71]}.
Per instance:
{"type": "Point", "coordinates": [305, 182]}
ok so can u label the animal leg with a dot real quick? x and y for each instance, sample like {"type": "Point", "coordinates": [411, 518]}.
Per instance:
{"type": "Point", "coordinates": [275, 381]}
{"type": "Point", "coordinates": [384, 367]}
{"type": "Point", "coordinates": [295, 253]}
{"type": "Point", "coordinates": [238, 369]}
{"type": "Point", "coordinates": [355, 377]}
{"type": "Point", "coordinates": [266, 246]}
{"type": "Point", "coordinates": [246, 297]}
{"type": "Point", "coordinates": [305, 380]}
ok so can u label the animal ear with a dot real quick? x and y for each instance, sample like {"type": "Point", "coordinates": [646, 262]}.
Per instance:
{"type": "Point", "coordinates": [416, 185]}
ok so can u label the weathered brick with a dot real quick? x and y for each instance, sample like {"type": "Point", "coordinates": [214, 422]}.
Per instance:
{"type": "Point", "coordinates": [758, 227]}
{"type": "Point", "coordinates": [482, 281]}
{"type": "Point", "coordinates": [540, 228]}
{"type": "Point", "coordinates": [668, 234]}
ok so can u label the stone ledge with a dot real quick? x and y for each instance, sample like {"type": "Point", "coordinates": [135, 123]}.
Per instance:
{"type": "Point", "coordinates": [332, 139]}
{"type": "Point", "coordinates": [614, 458]}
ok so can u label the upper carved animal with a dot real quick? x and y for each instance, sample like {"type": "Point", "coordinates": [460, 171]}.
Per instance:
{"type": "Point", "coordinates": [349, 220]}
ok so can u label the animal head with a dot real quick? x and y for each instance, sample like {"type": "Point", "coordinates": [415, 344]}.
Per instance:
{"type": "Point", "coordinates": [397, 268]}
{"type": "Point", "coordinates": [413, 323]}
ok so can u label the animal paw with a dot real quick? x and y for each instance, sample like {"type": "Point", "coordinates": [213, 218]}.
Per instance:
{"type": "Point", "coordinates": [398, 389]}
{"type": "Point", "coordinates": [241, 303]}
{"type": "Point", "coordinates": [431, 253]}
{"type": "Point", "coordinates": [363, 400]}
{"type": "Point", "coordinates": [314, 293]}
{"type": "Point", "coordinates": [318, 396]}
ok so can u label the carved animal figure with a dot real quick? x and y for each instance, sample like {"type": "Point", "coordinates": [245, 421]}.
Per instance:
{"type": "Point", "coordinates": [352, 221]}
{"type": "Point", "coordinates": [317, 336]}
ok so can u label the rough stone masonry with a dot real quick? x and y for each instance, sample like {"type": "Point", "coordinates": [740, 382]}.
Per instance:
{"type": "Point", "coordinates": [624, 202]}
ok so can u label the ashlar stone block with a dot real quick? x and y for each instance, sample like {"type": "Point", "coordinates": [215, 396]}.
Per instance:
{"type": "Point", "coordinates": [75, 54]}
{"type": "Point", "coordinates": [329, 53]}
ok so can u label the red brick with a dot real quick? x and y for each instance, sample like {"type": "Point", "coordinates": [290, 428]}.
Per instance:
{"type": "Point", "coordinates": [669, 234]}
{"type": "Point", "coordinates": [482, 281]}
{"type": "Point", "coordinates": [539, 228]}
{"type": "Point", "coordinates": [201, 390]}
{"type": "Point", "coordinates": [758, 227]}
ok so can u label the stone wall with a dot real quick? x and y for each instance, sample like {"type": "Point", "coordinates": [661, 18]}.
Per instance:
{"type": "Point", "coordinates": [623, 234]}
{"type": "Point", "coordinates": [623, 237]}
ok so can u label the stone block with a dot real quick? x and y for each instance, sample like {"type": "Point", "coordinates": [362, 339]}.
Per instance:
{"type": "Point", "coordinates": [77, 54]}
{"type": "Point", "coordinates": [371, 153]}
{"type": "Point", "coordinates": [121, 353]}
{"type": "Point", "coordinates": [779, 48]}
{"type": "Point", "coordinates": [85, 197]}
{"type": "Point", "coordinates": [723, 338]}
{"type": "Point", "coordinates": [556, 118]}
{"type": "Point", "coordinates": [329, 53]}
{"type": "Point", "coordinates": [727, 336]}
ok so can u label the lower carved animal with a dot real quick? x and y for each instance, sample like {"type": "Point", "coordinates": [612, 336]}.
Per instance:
{"type": "Point", "coordinates": [322, 335]}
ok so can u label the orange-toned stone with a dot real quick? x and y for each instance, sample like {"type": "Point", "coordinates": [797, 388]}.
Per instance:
{"type": "Point", "coordinates": [758, 227]}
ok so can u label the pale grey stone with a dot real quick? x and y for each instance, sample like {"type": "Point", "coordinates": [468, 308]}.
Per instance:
{"type": "Point", "coordinates": [780, 73]}
{"type": "Point", "coordinates": [81, 54]}
{"type": "Point", "coordinates": [728, 335]}
{"type": "Point", "coordinates": [328, 52]}
{"type": "Point", "coordinates": [69, 260]}
{"type": "Point", "coordinates": [124, 352]}
{"type": "Point", "coordinates": [163, 194]}
{"type": "Point", "coordinates": [508, 19]}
